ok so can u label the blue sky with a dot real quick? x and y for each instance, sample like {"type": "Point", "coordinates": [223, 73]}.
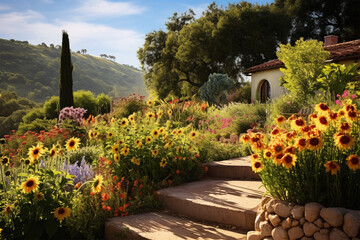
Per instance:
{"type": "Point", "coordinates": [111, 27]}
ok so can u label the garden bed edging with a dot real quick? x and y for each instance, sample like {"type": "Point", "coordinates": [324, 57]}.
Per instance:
{"type": "Point", "coordinates": [280, 220]}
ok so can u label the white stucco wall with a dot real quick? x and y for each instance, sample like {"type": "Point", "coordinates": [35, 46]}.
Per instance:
{"type": "Point", "coordinates": [272, 76]}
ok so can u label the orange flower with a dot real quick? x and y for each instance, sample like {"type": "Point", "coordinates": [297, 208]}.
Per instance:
{"type": "Point", "coordinates": [289, 135]}
{"type": "Point", "coordinates": [257, 166]}
{"type": "Point", "coordinates": [245, 138]}
{"type": "Point", "coordinates": [353, 162]}
{"type": "Point", "coordinates": [343, 140]}
{"type": "Point", "coordinates": [345, 127]}
{"type": "Point", "coordinates": [315, 143]}
{"type": "Point", "coordinates": [288, 160]}
{"type": "Point", "coordinates": [254, 157]}
{"type": "Point", "coordinates": [203, 106]}
{"type": "Point", "coordinates": [322, 108]}
{"type": "Point", "coordinates": [332, 166]}
{"type": "Point", "coordinates": [322, 123]}
{"type": "Point", "coordinates": [290, 149]}
{"type": "Point", "coordinates": [350, 108]}
{"type": "Point", "coordinates": [277, 159]}
{"type": "Point", "coordinates": [301, 144]}
{"type": "Point", "coordinates": [333, 116]}
{"type": "Point", "coordinates": [341, 112]}
{"type": "Point", "coordinates": [298, 123]}
{"type": "Point", "coordinates": [268, 154]}
{"type": "Point", "coordinates": [352, 115]}
{"type": "Point", "coordinates": [313, 116]}
{"type": "Point", "coordinates": [280, 119]}
{"type": "Point", "coordinates": [275, 132]}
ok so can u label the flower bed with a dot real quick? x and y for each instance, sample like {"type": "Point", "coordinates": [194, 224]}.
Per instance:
{"type": "Point", "coordinates": [280, 220]}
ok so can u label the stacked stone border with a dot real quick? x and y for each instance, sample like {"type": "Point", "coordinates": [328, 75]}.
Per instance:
{"type": "Point", "coordinates": [279, 220]}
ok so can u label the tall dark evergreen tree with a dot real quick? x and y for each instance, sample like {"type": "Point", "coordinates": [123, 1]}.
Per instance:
{"type": "Point", "coordinates": [66, 81]}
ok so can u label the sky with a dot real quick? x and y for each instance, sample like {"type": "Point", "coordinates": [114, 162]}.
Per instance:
{"type": "Point", "coordinates": [111, 27]}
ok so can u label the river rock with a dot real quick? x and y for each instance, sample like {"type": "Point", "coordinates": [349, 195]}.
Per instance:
{"type": "Point", "coordinates": [302, 221]}
{"type": "Point", "coordinates": [312, 211]}
{"type": "Point", "coordinates": [351, 224]}
{"type": "Point", "coordinates": [333, 216]}
{"type": "Point", "coordinates": [270, 205]}
{"type": "Point", "coordinates": [294, 223]}
{"type": "Point", "coordinates": [298, 211]}
{"type": "Point", "coordinates": [274, 219]}
{"type": "Point", "coordinates": [310, 229]}
{"type": "Point", "coordinates": [254, 235]}
{"type": "Point", "coordinates": [319, 236]}
{"type": "Point", "coordinates": [295, 233]}
{"type": "Point", "coordinates": [337, 234]}
{"type": "Point", "coordinates": [279, 234]}
{"type": "Point", "coordinates": [265, 229]}
{"type": "Point", "coordinates": [259, 218]}
{"type": "Point", "coordinates": [264, 200]}
{"type": "Point", "coordinates": [286, 224]}
{"type": "Point", "coordinates": [318, 222]}
{"type": "Point", "coordinates": [282, 210]}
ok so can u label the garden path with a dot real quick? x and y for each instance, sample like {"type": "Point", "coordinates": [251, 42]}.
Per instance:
{"type": "Point", "coordinates": [220, 206]}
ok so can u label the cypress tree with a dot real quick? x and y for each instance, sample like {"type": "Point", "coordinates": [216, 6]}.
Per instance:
{"type": "Point", "coordinates": [66, 81]}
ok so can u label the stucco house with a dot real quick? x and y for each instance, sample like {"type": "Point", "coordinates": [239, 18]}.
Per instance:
{"type": "Point", "coordinates": [265, 77]}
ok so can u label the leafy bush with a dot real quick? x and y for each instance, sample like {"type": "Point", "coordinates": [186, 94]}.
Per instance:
{"type": "Point", "coordinates": [213, 91]}
{"type": "Point", "coordinates": [319, 155]}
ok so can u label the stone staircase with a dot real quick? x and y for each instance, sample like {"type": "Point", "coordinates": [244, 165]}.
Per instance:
{"type": "Point", "coordinates": [220, 206]}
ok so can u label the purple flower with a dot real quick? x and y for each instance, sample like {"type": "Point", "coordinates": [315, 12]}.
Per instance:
{"type": "Point", "coordinates": [81, 173]}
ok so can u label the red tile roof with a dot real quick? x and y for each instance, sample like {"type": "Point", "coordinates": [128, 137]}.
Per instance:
{"type": "Point", "coordinates": [338, 52]}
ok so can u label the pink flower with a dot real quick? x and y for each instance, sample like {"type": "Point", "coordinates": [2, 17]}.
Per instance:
{"type": "Point", "coordinates": [338, 102]}
{"type": "Point", "coordinates": [353, 96]}
{"type": "Point", "coordinates": [345, 94]}
{"type": "Point", "coordinates": [337, 95]}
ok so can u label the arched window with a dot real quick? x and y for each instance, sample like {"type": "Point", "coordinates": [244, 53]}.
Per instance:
{"type": "Point", "coordinates": [265, 91]}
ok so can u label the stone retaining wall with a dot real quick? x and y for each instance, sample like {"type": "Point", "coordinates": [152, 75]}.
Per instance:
{"type": "Point", "coordinates": [282, 221]}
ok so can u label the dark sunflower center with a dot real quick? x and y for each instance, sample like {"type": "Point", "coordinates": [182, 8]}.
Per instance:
{"type": "Point", "coordinates": [332, 165]}
{"type": "Point", "coordinates": [30, 183]}
{"type": "Point", "coordinates": [275, 132]}
{"type": "Point", "coordinates": [288, 159]}
{"type": "Point", "coordinates": [61, 211]}
{"type": "Point", "coordinates": [268, 154]}
{"type": "Point", "coordinates": [255, 139]}
{"type": "Point", "coordinates": [36, 152]}
{"type": "Point", "coordinates": [279, 156]}
{"type": "Point", "coordinates": [314, 141]}
{"type": "Point", "coordinates": [52, 153]}
{"type": "Point", "coordinates": [302, 142]}
{"type": "Point", "coordinates": [345, 126]}
{"type": "Point", "coordinates": [344, 139]}
{"type": "Point", "coordinates": [333, 115]}
{"type": "Point", "coordinates": [299, 122]}
{"type": "Point", "coordinates": [257, 165]}
{"type": "Point", "coordinates": [352, 114]}
{"type": "Point", "coordinates": [354, 161]}
{"type": "Point", "coordinates": [155, 133]}
{"type": "Point", "coordinates": [193, 134]}
{"type": "Point", "coordinates": [5, 160]}
{"type": "Point", "coordinates": [278, 149]}
{"type": "Point", "coordinates": [350, 108]}
{"type": "Point", "coordinates": [323, 121]}
{"type": "Point", "coordinates": [324, 107]}
{"type": "Point", "coordinates": [72, 143]}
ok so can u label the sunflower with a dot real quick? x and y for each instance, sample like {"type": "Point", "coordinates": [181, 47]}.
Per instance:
{"type": "Point", "coordinates": [341, 112]}
{"type": "Point", "coordinates": [110, 134]}
{"type": "Point", "coordinates": [61, 213]}
{"type": "Point", "coordinates": [174, 132]}
{"type": "Point", "coordinates": [254, 157]}
{"type": "Point", "coordinates": [353, 162]}
{"type": "Point", "coordinates": [91, 134]}
{"type": "Point", "coordinates": [150, 103]}
{"type": "Point", "coordinates": [53, 152]}
{"type": "Point", "coordinates": [138, 141]}
{"type": "Point", "coordinates": [116, 157]}
{"type": "Point", "coordinates": [343, 140]}
{"type": "Point", "coordinates": [193, 134]}
{"type": "Point", "coordinates": [258, 146]}
{"type": "Point", "coordinates": [352, 115]}
{"type": "Point", "coordinates": [332, 166]}
{"type": "Point", "coordinates": [305, 130]}
{"type": "Point", "coordinates": [168, 144]}
{"type": "Point", "coordinates": [163, 162]}
{"type": "Point", "coordinates": [298, 123]}
{"type": "Point", "coordinates": [322, 123]}
{"type": "Point", "coordinates": [72, 144]}
{"type": "Point", "coordinates": [5, 160]}
{"type": "Point", "coordinates": [350, 108]}
{"type": "Point", "coordinates": [7, 209]}
{"type": "Point", "coordinates": [155, 133]}
{"type": "Point", "coordinates": [132, 117]}
{"type": "Point", "coordinates": [31, 184]}
{"type": "Point", "coordinates": [139, 146]}
{"type": "Point", "coordinates": [313, 116]}
{"type": "Point", "coordinates": [268, 154]}
{"type": "Point", "coordinates": [345, 127]}
{"type": "Point", "coordinates": [150, 115]}
{"type": "Point", "coordinates": [280, 119]}
{"type": "Point", "coordinates": [35, 152]}
{"type": "Point", "coordinates": [124, 122]}
{"type": "Point", "coordinates": [159, 113]}
{"type": "Point", "coordinates": [289, 136]}
{"type": "Point", "coordinates": [148, 139]}
{"type": "Point", "coordinates": [333, 116]}
{"type": "Point", "coordinates": [277, 159]}
{"type": "Point", "coordinates": [97, 185]}
{"type": "Point", "coordinates": [322, 108]}
{"type": "Point", "coordinates": [315, 142]}
{"type": "Point", "coordinates": [125, 151]}
{"type": "Point", "coordinates": [155, 152]}
{"type": "Point", "coordinates": [120, 142]}
{"type": "Point", "coordinates": [170, 112]}
{"type": "Point", "coordinates": [115, 149]}
{"type": "Point", "coordinates": [277, 147]}
{"type": "Point", "coordinates": [288, 160]}
{"type": "Point", "coordinates": [178, 149]}
{"type": "Point", "coordinates": [180, 132]}
{"type": "Point", "coordinates": [38, 196]}
{"type": "Point", "coordinates": [301, 144]}
{"type": "Point", "coordinates": [245, 138]}
{"type": "Point", "coordinates": [257, 166]}
{"type": "Point", "coordinates": [290, 149]}
{"type": "Point", "coordinates": [275, 132]}
{"type": "Point", "coordinates": [135, 161]}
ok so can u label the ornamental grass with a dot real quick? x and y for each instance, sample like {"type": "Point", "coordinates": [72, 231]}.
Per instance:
{"type": "Point", "coordinates": [311, 159]}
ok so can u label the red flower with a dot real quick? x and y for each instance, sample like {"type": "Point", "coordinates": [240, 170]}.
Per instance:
{"type": "Point", "coordinates": [105, 197]}
{"type": "Point", "coordinates": [115, 178]}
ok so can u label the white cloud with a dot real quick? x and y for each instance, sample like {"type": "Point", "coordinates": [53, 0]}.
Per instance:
{"type": "Point", "coordinates": [96, 38]}
{"type": "Point", "coordinates": [4, 7]}
{"type": "Point", "coordinates": [103, 8]}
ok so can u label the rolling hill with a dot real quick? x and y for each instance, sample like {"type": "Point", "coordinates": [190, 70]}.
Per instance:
{"type": "Point", "coordinates": [33, 72]}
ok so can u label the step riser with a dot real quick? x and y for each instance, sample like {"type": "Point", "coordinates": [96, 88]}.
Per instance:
{"type": "Point", "coordinates": [233, 172]}
{"type": "Point", "coordinates": [242, 219]}
{"type": "Point", "coordinates": [115, 232]}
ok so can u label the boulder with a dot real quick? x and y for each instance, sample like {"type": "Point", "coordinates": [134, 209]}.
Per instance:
{"type": "Point", "coordinates": [254, 235]}
{"type": "Point", "coordinates": [282, 209]}
{"type": "Point", "coordinates": [274, 219]}
{"type": "Point", "coordinates": [318, 222]}
{"type": "Point", "coordinates": [294, 223]}
{"type": "Point", "coordinates": [337, 234]}
{"type": "Point", "coordinates": [279, 234]}
{"type": "Point", "coordinates": [333, 216]}
{"type": "Point", "coordinates": [351, 224]}
{"type": "Point", "coordinates": [295, 233]}
{"type": "Point", "coordinates": [286, 224]}
{"type": "Point", "coordinates": [298, 211]}
{"type": "Point", "coordinates": [319, 236]}
{"type": "Point", "coordinates": [270, 206]}
{"type": "Point", "coordinates": [302, 221]}
{"type": "Point", "coordinates": [312, 211]}
{"type": "Point", "coordinates": [310, 229]}
{"type": "Point", "coordinates": [265, 229]}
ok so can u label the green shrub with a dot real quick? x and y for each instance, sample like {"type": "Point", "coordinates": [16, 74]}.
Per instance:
{"type": "Point", "coordinates": [103, 104]}
{"type": "Point", "coordinates": [51, 107]}
{"type": "Point", "coordinates": [37, 125]}
{"type": "Point", "coordinates": [132, 106]}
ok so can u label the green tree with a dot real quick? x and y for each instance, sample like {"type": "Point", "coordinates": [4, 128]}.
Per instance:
{"type": "Point", "coordinates": [66, 68]}
{"type": "Point", "coordinates": [213, 91]}
{"type": "Point", "coordinates": [303, 65]}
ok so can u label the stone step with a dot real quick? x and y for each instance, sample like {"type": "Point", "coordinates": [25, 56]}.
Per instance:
{"type": "Point", "coordinates": [236, 168]}
{"type": "Point", "coordinates": [232, 202]}
{"type": "Point", "coordinates": [162, 225]}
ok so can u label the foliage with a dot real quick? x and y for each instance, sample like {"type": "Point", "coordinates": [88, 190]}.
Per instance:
{"type": "Point", "coordinates": [319, 154]}
{"type": "Point", "coordinates": [242, 93]}
{"type": "Point", "coordinates": [213, 91]}
{"type": "Point", "coordinates": [335, 78]}
{"type": "Point", "coordinates": [303, 65]}
{"type": "Point", "coordinates": [38, 76]}
{"type": "Point", "coordinates": [66, 98]}
{"type": "Point", "coordinates": [220, 41]}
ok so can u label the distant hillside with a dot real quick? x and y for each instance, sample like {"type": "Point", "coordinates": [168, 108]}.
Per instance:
{"type": "Point", "coordinates": [33, 72]}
